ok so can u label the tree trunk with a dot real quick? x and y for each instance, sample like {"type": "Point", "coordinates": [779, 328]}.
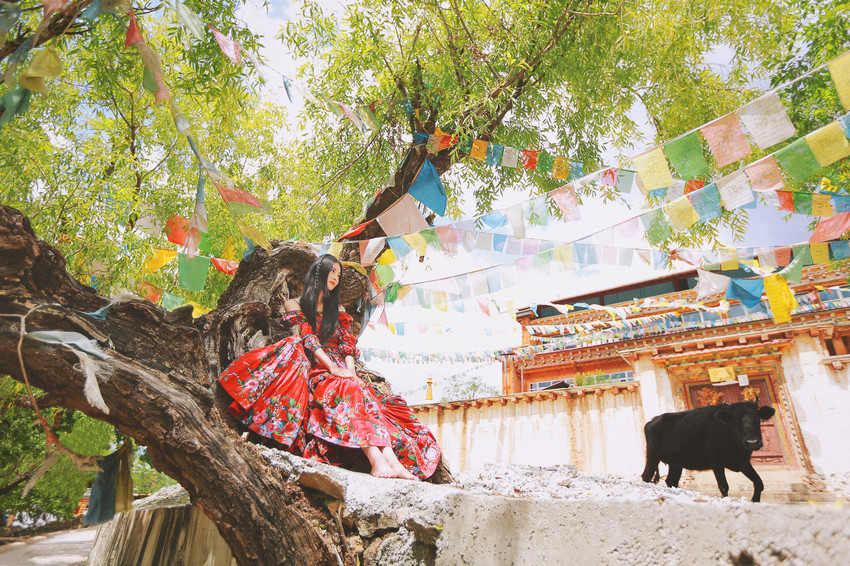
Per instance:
{"type": "Point", "coordinates": [160, 383]}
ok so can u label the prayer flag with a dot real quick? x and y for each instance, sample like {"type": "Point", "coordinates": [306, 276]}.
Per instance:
{"type": "Point", "coordinates": [766, 120]}
{"type": "Point", "coordinates": [706, 202]}
{"type": "Point", "coordinates": [682, 214]}
{"type": "Point", "coordinates": [44, 65]}
{"type": "Point", "coordinates": [839, 69]}
{"type": "Point", "coordinates": [565, 198]}
{"type": "Point", "coordinates": [726, 139]}
{"type": "Point", "coordinates": [387, 257]}
{"type": "Point", "coordinates": [610, 177]}
{"type": "Point", "coordinates": [229, 47]}
{"type": "Point", "coordinates": [764, 174]}
{"type": "Point", "coordinates": [798, 160]}
{"type": "Point", "coordinates": [783, 255]}
{"type": "Point", "coordinates": [240, 202]}
{"type": "Point", "coordinates": [563, 254]}
{"type": "Point", "coordinates": [192, 272]}
{"type": "Point", "coordinates": [494, 153]}
{"type": "Point", "coordinates": [576, 170]}
{"type": "Point", "coordinates": [656, 227]}
{"type": "Point", "coordinates": [822, 206]}
{"type": "Point", "coordinates": [171, 302]}
{"type": "Point", "coordinates": [158, 258]}
{"type": "Point", "coordinates": [510, 157]}
{"type": "Point", "coordinates": [560, 168]}
{"type": "Point", "coordinates": [786, 200]}
{"type": "Point", "coordinates": [428, 189]}
{"type": "Point", "coordinates": [653, 170]}
{"type": "Point", "coordinates": [676, 190]}
{"type": "Point", "coordinates": [417, 242]}
{"type": "Point", "coordinates": [398, 246]}
{"type": "Point", "coordinates": [820, 252]}
{"type": "Point", "coordinates": [686, 156]}
{"type": "Point", "coordinates": [710, 283]}
{"type": "Point", "coordinates": [728, 259]}
{"type": "Point", "coordinates": [354, 230]}
{"type": "Point", "coordinates": [134, 36]}
{"type": "Point", "coordinates": [190, 20]}
{"type": "Point", "coordinates": [780, 297]}
{"type": "Point", "coordinates": [748, 291]}
{"type": "Point", "coordinates": [529, 159]}
{"type": "Point", "coordinates": [828, 144]}
{"type": "Point", "coordinates": [802, 203]}
{"type": "Point", "coordinates": [514, 216]}
{"type": "Point", "coordinates": [479, 150]}
{"type": "Point", "coordinates": [253, 234]}
{"type": "Point", "coordinates": [831, 229]}
{"type": "Point", "coordinates": [545, 162]}
{"type": "Point", "coordinates": [385, 274]}
{"type": "Point", "coordinates": [150, 292]}
{"type": "Point", "coordinates": [840, 249]}
{"type": "Point", "coordinates": [625, 179]}
{"type": "Point", "coordinates": [225, 266]}
{"type": "Point", "coordinates": [9, 15]}
{"type": "Point", "coordinates": [735, 190]}
{"type": "Point", "coordinates": [177, 229]}
{"type": "Point", "coordinates": [403, 217]}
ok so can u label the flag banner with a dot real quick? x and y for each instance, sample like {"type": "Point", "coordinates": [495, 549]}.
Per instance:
{"type": "Point", "coordinates": [802, 203]}
{"type": "Point", "coordinates": [44, 65]}
{"type": "Point", "coordinates": [403, 217]}
{"type": "Point", "coordinates": [676, 190]}
{"type": "Point", "coordinates": [192, 272]}
{"type": "Point", "coordinates": [610, 177]}
{"type": "Point", "coordinates": [748, 291]}
{"type": "Point", "coordinates": [536, 211]}
{"type": "Point", "coordinates": [798, 160]}
{"type": "Point", "coordinates": [653, 170]}
{"type": "Point", "coordinates": [840, 249]}
{"type": "Point", "coordinates": [133, 36]}
{"type": "Point", "coordinates": [560, 168]}
{"type": "Point", "coordinates": [253, 235]}
{"type": "Point", "coordinates": [430, 236]}
{"type": "Point", "coordinates": [786, 200]}
{"type": "Point", "coordinates": [171, 302]}
{"type": "Point", "coordinates": [766, 256]}
{"type": "Point", "coordinates": [706, 202]}
{"type": "Point", "coordinates": [387, 257]}
{"type": "Point", "coordinates": [485, 241]}
{"type": "Point", "coordinates": [515, 218]}
{"type": "Point", "coordinates": [177, 230]}
{"type": "Point", "coordinates": [229, 47]}
{"type": "Point", "coordinates": [828, 144]}
{"type": "Point", "coordinates": [820, 252]}
{"type": "Point", "coordinates": [802, 257]}
{"type": "Point", "coordinates": [545, 162]}
{"type": "Point", "coordinates": [385, 274]}
{"type": "Point", "coordinates": [780, 297]}
{"type": "Point", "coordinates": [416, 242]}
{"type": "Point", "coordinates": [783, 255]}
{"type": "Point", "coordinates": [510, 157]}
{"type": "Point", "coordinates": [529, 159]}
{"type": "Point", "coordinates": [449, 237]}
{"type": "Point", "coordinates": [764, 175]}
{"type": "Point", "coordinates": [494, 153]}
{"type": "Point", "coordinates": [565, 198]}
{"type": "Point", "coordinates": [158, 258]}
{"type": "Point", "coordinates": [369, 250]}
{"type": "Point", "coordinates": [625, 180]}
{"type": "Point", "coordinates": [240, 202]}
{"type": "Point", "coordinates": [728, 259]}
{"type": "Point", "coordinates": [710, 283]}
{"type": "Point", "coordinates": [479, 150]}
{"type": "Point", "coordinates": [726, 139]}
{"type": "Point", "coordinates": [735, 190]}
{"type": "Point", "coordinates": [398, 246]}
{"type": "Point", "coordinates": [225, 266]}
{"type": "Point", "coordinates": [822, 205]}
{"type": "Point", "coordinates": [150, 292]}
{"type": "Point", "coordinates": [585, 254]}
{"type": "Point", "coordinates": [190, 20]}
{"type": "Point", "coordinates": [656, 227]}
{"type": "Point", "coordinates": [831, 229]}
{"type": "Point", "coordinates": [766, 120]}
{"type": "Point", "coordinates": [686, 156]}
{"type": "Point", "coordinates": [428, 189]}
{"type": "Point", "coordinates": [681, 213]}
{"type": "Point", "coordinates": [628, 228]}
{"type": "Point", "coordinates": [839, 69]}
{"type": "Point", "coordinates": [841, 204]}
{"type": "Point", "coordinates": [494, 220]}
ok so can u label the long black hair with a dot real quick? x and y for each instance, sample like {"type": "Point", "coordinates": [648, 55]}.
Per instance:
{"type": "Point", "coordinates": [316, 281]}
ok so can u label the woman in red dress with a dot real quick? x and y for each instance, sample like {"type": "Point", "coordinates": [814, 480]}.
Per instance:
{"type": "Point", "coordinates": [341, 414]}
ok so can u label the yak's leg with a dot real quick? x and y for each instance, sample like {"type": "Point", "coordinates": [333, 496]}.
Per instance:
{"type": "Point", "coordinates": [720, 476]}
{"type": "Point", "coordinates": [673, 475]}
{"type": "Point", "coordinates": [758, 485]}
{"type": "Point", "coordinates": [650, 472]}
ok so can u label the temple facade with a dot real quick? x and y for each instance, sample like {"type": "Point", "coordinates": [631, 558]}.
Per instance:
{"type": "Point", "coordinates": [585, 382]}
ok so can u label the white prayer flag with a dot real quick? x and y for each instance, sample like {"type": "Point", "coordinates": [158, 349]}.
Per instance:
{"type": "Point", "coordinates": [374, 247]}
{"type": "Point", "coordinates": [735, 190]}
{"type": "Point", "coordinates": [766, 120]}
{"type": "Point", "coordinates": [403, 217]}
{"type": "Point", "coordinates": [514, 216]}
{"type": "Point", "coordinates": [710, 283]}
{"type": "Point", "coordinates": [510, 157]}
{"type": "Point", "coordinates": [767, 257]}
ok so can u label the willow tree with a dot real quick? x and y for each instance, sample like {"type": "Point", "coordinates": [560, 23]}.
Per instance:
{"type": "Point", "coordinates": [555, 76]}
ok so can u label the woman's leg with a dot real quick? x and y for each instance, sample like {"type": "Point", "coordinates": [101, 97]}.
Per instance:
{"type": "Point", "coordinates": [385, 464]}
{"type": "Point", "coordinates": [398, 467]}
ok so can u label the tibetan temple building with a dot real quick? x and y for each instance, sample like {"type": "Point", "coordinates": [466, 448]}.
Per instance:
{"type": "Point", "coordinates": [586, 381]}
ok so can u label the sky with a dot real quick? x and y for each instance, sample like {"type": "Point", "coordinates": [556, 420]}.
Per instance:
{"type": "Point", "coordinates": [473, 332]}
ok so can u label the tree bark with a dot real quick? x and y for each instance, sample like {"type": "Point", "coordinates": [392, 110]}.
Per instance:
{"type": "Point", "coordinates": [160, 382]}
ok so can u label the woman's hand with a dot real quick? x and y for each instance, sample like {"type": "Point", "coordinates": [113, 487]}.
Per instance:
{"type": "Point", "coordinates": [346, 373]}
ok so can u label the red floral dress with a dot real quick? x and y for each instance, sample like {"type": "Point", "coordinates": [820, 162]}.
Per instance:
{"type": "Point", "coordinates": [282, 392]}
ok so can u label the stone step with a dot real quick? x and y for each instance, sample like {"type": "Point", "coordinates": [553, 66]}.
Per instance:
{"type": "Point", "coordinates": [773, 492]}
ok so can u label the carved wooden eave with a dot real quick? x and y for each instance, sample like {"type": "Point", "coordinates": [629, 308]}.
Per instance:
{"type": "Point", "coordinates": [723, 354]}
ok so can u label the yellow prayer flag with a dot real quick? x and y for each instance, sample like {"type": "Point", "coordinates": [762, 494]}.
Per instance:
{"type": "Point", "coordinates": [780, 297]}
{"type": "Point", "coordinates": [563, 254]}
{"type": "Point", "coordinates": [682, 213]}
{"type": "Point", "coordinates": [653, 169]}
{"type": "Point", "coordinates": [440, 301]}
{"type": "Point", "coordinates": [403, 291]}
{"type": "Point", "coordinates": [721, 375]}
{"type": "Point", "coordinates": [820, 252]}
{"type": "Point", "coordinates": [479, 149]}
{"type": "Point", "coordinates": [198, 309]}
{"type": "Point", "coordinates": [728, 259]}
{"type": "Point", "coordinates": [391, 326]}
{"type": "Point", "coordinates": [822, 206]}
{"type": "Point", "coordinates": [254, 235]}
{"type": "Point", "coordinates": [417, 242]}
{"type": "Point", "coordinates": [839, 68]}
{"type": "Point", "coordinates": [829, 144]}
{"type": "Point", "coordinates": [335, 249]}
{"type": "Point", "coordinates": [387, 257]}
{"type": "Point", "coordinates": [356, 267]}
{"type": "Point", "coordinates": [44, 65]}
{"type": "Point", "coordinates": [159, 258]}
{"type": "Point", "coordinates": [561, 168]}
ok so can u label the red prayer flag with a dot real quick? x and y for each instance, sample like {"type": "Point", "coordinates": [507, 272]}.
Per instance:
{"type": "Point", "coordinates": [134, 36]}
{"type": "Point", "coordinates": [354, 230]}
{"type": "Point", "coordinates": [225, 265]}
{"type": "Point", "coordinates": [177, 230]}
{"type": "Point", "coordinates": [693, 185]}
{"type": "Point", "coordinates": [610, 176]}
{"type": "Point", "coordinates": [529, 159]}
{"type": "Point", "coordinates": [786, 200]}
{"type": "Point", "coordinates": [229, 47]}
{"type": "Point", "coordinates": [150, 292]}
{"type": "Point", "coordinates": [51, 6]}
{"type": "Point", "coordinates": [831, 228]}
{"type": "Point", "coordinates": [235, 195]}
{"type": "Point", "coordinates": [783, 256]}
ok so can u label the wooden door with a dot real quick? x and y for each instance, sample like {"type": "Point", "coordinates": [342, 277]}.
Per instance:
{"type": "Point", "coordinates": [773, 451]}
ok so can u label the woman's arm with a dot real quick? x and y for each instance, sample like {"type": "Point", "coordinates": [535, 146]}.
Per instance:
{"type": "Point", "coordinates": [291, 305]}
{"type": "Point", "coordinates": [334, 369]}
{"type": "Point", "coordinates": [349, 363]}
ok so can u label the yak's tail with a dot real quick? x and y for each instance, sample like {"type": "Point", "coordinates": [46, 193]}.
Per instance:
{"type": "Point", "coordinates": [657, 476]}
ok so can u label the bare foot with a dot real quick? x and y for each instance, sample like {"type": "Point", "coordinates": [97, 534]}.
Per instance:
{"type": "Point", "coordinates": [398, 468]}
{"type": "Point", "coordinates": [383, 470]}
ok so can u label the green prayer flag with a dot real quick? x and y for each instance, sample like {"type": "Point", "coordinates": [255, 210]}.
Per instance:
{"type": "Point", "coordinates": [391, 293]}
{"type": "Point", "coordinates": [149, 81]}
{"type": "Point", "coordinates": [430, 236]}
{"type": "Point", "coordinates": [385, 274]}
{"type": "Point", "coordinates": [192, 273]}
{"type": "Point", "coordinates": [802, 256]}
{"type": "Point", "coordinates": [802, 203]}
{"type": "Point", "coordinates": [465, 144]}
{"type": "Point", "coordinates": [798, 160]}
{"type": "Point", "coordinates": [204, 244]}
{"type": "Point", "coordinates": [171, 302]}
{"type": "Point", "coordinates": [687, 157]}
{"type": "Point", "coordinates": [545, 163]}
{"type": "Point", "coordinates": [656, 226]}
{"type": "Point", "coordinates": [16, 101]}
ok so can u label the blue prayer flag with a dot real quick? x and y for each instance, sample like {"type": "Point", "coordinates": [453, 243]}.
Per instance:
{"type": "Point", "coordinates": [428, 189]}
